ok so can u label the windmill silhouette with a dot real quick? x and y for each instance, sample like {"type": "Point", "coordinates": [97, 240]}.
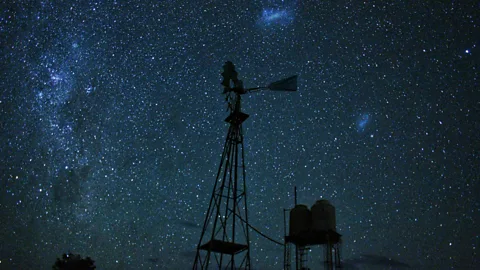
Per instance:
{"type": "Point", "coordinates": [225, 242]}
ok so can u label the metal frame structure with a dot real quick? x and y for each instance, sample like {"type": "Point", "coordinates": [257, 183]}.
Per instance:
{"type": "Point", "coordinates": [225, 241]}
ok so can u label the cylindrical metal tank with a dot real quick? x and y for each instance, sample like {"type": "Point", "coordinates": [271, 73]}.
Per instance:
{"type": "Point", "coordinates": [300, 220]}
{"type": "Point", "coordinates": [323, 216]}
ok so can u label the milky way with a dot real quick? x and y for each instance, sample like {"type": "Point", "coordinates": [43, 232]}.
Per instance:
{"type": "Point", "coordinates": [112, 127]}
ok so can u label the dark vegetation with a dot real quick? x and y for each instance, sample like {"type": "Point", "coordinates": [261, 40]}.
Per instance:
{"type": "Point", "coordinates": [74, 262]}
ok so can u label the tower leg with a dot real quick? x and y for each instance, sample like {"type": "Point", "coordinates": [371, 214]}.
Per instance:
{"type": "Point", "coordinates": [224, 241]}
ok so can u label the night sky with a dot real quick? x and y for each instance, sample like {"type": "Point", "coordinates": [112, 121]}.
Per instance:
{"type": "Point", "coordinates": [112, 127]}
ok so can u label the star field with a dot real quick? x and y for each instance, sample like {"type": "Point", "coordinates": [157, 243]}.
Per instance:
{"type": "Point", "coordinates": [112, 128]}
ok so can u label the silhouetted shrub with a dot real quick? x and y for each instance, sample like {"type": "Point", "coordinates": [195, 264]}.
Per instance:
{"type": "Point", "coordinates": [74, 262]}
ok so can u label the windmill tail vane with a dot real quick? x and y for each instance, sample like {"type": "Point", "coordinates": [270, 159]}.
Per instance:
{"type": "Point", "coordinates": [287, 84]}
{"type": "Point", "coordinates": [231, 83]}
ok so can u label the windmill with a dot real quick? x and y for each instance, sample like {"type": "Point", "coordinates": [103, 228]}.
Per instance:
{"type": "Point", "coordinates": [224, 242]}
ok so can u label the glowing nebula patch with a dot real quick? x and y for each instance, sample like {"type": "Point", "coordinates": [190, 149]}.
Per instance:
{"type": "Point", "coordinates": [275, 17]}
{"type": "Point", "coordinates": [363, 122]}
{"type": "Point", "coordinates": [271, 15]}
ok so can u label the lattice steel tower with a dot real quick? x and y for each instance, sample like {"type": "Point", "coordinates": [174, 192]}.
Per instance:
{"type": "Point", "coordinates": [225, 242]}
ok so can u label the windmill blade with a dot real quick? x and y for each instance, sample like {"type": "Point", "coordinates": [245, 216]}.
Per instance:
{"type": "Point", "coordinates": [287, 84]}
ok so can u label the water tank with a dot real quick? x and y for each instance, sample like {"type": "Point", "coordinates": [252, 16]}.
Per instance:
{"type": "Point", "coordinates": [323, 216]}
{"type": "Point", "coordinates": [300, 220]}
